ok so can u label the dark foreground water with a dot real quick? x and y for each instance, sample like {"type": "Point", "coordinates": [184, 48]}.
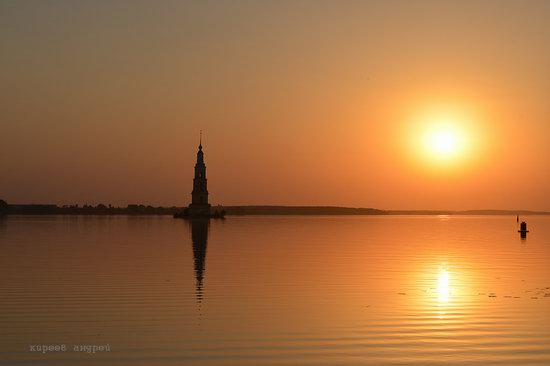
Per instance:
{"type": "Point", "coordinates": [274, 291]}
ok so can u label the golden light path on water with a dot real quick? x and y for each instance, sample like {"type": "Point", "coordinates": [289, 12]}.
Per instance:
{"type": "Point", "coordinates": [443, 286]}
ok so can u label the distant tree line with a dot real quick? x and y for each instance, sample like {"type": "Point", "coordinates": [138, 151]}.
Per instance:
{"type": "Point", "coordinates": [100, 209]}
{"type": "Point", "coordinates": [135, 209]}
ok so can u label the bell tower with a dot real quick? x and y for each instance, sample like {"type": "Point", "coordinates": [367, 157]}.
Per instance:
{"type": "Point", "coordinates": [199, 196]}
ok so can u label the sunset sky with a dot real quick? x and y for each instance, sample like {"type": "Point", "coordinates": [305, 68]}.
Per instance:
{"type": "Point", "coordinates": [386, 104]}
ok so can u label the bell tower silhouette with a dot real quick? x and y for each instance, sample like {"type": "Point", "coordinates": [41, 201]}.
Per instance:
{"type": "Point", "coordinates": [199, 206]}
{"type": "Point", "coordinates": [199, 196]}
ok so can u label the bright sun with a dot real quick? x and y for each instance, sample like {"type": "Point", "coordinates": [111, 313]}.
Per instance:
{"type": "Point", "coordinates": [443, 142]}
{"type": "Point", "coordinates": [443, 139]}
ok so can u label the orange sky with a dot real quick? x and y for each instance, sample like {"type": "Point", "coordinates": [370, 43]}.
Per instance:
{"type": "Point", "coordinates": [301, 103]}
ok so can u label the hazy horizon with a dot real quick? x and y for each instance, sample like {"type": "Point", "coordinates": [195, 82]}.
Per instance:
{"type": "Point", "coordinates": [311, 103]}
{"type": "Point", "coordinates": [94, 204]}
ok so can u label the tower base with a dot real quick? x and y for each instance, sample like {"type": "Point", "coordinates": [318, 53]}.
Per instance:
{"type": "Point", "coordinates": [199, 211]}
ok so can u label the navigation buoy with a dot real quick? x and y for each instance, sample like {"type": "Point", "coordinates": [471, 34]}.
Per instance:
{"type": "Point", "coordinates": [523, 229]}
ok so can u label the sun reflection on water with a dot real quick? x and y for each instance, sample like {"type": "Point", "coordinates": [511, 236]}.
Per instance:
{"type": "Point", "coordinates": [443, 285]}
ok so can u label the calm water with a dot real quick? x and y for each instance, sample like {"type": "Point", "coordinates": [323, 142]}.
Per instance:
{"type": "Point", "coordinates": [275, 291]}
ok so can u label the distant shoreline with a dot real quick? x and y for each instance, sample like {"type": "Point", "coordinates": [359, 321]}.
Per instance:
{"type": "Point", "coordinates": [40, 209]}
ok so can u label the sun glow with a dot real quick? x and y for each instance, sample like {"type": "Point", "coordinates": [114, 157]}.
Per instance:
{"type": "Point", "coordinates": [443, 138]}
{"type": "Point", "coordinates": [443, 142]}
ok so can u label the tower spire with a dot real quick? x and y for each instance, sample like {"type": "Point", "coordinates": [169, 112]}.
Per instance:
{"type": "Point", "coordinates": [200, 140]}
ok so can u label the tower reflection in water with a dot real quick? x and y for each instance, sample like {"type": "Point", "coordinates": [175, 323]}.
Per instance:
{"type": "Point", "coordinates": [199, 236]}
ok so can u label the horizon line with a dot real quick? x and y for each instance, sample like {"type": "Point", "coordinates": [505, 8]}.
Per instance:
{"type": "Point", "coordinates": [441, 211]}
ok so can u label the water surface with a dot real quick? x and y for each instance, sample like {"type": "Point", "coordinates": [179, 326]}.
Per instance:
{"type": "Point", "coordinates": [370, 290]}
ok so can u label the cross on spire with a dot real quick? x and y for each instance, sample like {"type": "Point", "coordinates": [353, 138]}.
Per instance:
{"type": "Point", "coordinates": [200, 140]}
